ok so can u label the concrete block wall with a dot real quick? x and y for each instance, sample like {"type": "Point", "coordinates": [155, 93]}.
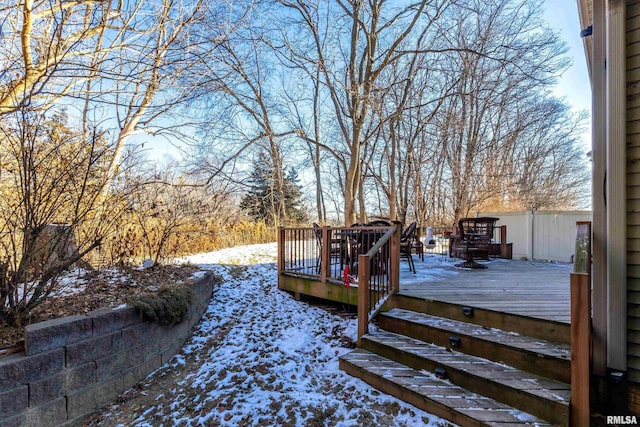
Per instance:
{"type": "Point", "coordinates": [77, 364]}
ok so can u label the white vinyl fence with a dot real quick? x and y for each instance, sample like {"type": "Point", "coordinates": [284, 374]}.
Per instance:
{"type": "Point", "coordinates": [541, 235]}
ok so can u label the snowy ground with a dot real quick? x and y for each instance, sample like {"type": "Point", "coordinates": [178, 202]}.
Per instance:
{"type": "Point", "coordinates": [259, 357]}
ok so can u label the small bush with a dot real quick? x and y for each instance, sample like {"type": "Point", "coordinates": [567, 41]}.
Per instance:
{"type": "Point", "coordinates": [168, 306]}
{"type": "Point", "coordinates": [217, 280]}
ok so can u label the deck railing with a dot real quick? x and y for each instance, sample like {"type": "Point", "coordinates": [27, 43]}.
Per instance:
{"type": "Point", "coordinates": [366, 257]}
{"type": "Point", "coordinates": [300, 253]}
{"type": "Point", "coordinates": [441, 234]}
{"type": "Point", "coordinates": [372, 297]}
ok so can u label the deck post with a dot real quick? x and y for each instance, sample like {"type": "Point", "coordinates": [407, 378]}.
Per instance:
{"type": "Point", "coordinates": [364, 275]}
{"type": "Point", "coordinates": [580, 412]}
{"type": "Point", "coordinates": [394, 277]}
{"type": "Point", "coordinates": [503, 241]}
{"type": "Point", "coordinates": [580, 346]}
{"type": "Point", "coordinates": [325, 257]}
{"type": "Point", "coordinates": [280, 236]}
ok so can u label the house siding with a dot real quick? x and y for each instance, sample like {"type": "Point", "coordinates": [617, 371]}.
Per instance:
{"type": "Point", "coordinates": [633, 199]}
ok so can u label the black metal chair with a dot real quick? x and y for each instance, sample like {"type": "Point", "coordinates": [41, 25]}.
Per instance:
{"type": "Point", "coordinates": [407, 241]}
{"type": "Point", "coordinates": [339, 248]}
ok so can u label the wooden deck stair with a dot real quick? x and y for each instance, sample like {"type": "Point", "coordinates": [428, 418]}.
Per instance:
{"type": "Point", "coordinates": [466, 373]}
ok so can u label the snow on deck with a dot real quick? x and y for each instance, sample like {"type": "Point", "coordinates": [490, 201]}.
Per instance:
{"type": "Point", "coordinates": [529, 288]}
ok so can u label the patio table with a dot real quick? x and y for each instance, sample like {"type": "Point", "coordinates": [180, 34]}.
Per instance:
{"type": "Point", "coordinates": [470, 250]}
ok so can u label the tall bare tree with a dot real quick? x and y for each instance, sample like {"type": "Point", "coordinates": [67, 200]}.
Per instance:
{"type": "Point", "coordinates": [124, 65]}
{"type": "Point", "coordinates": [366, 40]}
{"type": "Point", "coordinates": [45, 47]}
{"type": "Point", "coordinates": [500, 67]}
{"type": "Point", "coordinates": [241, 82]}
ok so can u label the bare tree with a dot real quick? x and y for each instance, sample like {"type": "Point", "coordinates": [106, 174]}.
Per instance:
{"type": "Point", "coordinates": [50, 217]}
{"type": "Point", "coordinates": [550, 171]}
{"type": "Point", "coordinates": [146, 68]}
{"type": "Point", "coordinates": [45, 46]}
{"type": "Point", "coordinates": [351, 70]}
{"type": "Point", "coordinates": [458, 115]}
{"type": "Point", "coordinates": [309, 129]}
{"type": "Point", "coordinates": [407, 108]}
{"type": "Point", "coordinates": [240, 79]}
{"type": "Point", "coordinates": [500, 67]}
{"type": "Point", "coordinates": [123, 64]}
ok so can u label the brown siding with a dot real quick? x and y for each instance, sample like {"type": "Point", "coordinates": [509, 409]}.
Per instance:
{"type": "Point", "coordinates": [633, 196]}
{"type": "Point", "coordinates": [634, 398]}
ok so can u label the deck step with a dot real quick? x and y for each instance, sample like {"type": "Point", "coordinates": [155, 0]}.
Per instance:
{"type": "Point", "coordinates": [544, 358]}
{"type": "Point", "coordinates": [431, 394]}
{"type": "Point", "coordinates": [549, 330]}
{"type": "Point", "coordinates": [542, 397]}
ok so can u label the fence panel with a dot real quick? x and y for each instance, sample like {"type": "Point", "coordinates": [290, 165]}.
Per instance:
{"type": "Point", "coordinates": [541, 235]}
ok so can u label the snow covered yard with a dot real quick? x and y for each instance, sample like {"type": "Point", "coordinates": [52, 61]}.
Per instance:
{"type": "Point", "coordinates": [259, 357]}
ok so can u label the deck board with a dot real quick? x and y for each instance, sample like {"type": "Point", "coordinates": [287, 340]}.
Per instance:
{"type": "Point", "coordinates": [434, 395]}
{"type": "Point", "coordinates": [528, 288]}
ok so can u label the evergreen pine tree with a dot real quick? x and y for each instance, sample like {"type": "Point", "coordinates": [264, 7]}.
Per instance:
{"type": "Point", "coordinates": [262, 201]}
{"type": "Point", "coordinates": [293, 198]}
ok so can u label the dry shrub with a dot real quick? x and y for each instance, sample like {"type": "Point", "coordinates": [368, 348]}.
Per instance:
{"type": "Point", "coordinates": [126, 246]}
{"type": "Point", "coordinates": [168, 306]}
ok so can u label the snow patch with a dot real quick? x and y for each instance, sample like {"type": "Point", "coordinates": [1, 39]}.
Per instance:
{"type": "Point", "coordinates": [259, 357]}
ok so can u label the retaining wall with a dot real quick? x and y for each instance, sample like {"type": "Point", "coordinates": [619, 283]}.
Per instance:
{"type": "Point", "coordinates": [77, 364]}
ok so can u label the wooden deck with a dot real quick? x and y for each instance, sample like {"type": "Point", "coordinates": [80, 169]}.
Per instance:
{"type": "Point", "coordinates": [527, 288]}
{"type": "Point", "coordinates": [451, 341]}
{"type": "Point", "coordinates": [476, 347]}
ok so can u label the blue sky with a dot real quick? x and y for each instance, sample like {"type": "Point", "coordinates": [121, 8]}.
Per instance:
{"type": "Point", "coordinates": [562, 15]}
{"type": "Point", "coordinates": [574, 85]}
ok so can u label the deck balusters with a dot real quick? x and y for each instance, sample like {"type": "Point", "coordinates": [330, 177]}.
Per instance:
{"type": "Point", "coordinates": [321, 254]}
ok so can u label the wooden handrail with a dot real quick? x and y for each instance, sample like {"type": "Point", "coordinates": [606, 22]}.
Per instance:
{"type": "Point", "coordinates": [365, 312]}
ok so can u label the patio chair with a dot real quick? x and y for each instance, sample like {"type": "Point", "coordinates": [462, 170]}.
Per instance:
{"type": "Point", "coordinates": [338, 249]}
{"type": "Point", "coordinates": [407, 242]}
{"type": "Point", "coordinates": [418, 247]}
{"type": "Point", "coordinates": [472, 241]}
